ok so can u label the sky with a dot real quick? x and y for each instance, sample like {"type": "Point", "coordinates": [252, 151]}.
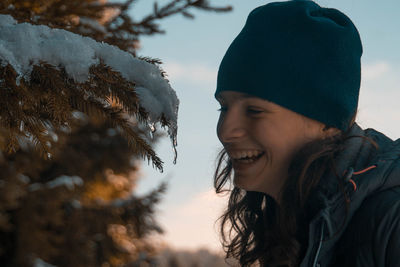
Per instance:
{"type": "Point", "coordinates": [191, 51]}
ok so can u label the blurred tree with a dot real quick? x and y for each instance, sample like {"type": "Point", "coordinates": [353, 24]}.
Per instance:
{"type": "Point", "coordinates": [70, 149]}
{"type": "Point", "coordinates": [76, 209]}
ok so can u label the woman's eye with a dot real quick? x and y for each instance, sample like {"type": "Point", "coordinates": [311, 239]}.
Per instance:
{"type": "Point", "coordinates": [254, 111]}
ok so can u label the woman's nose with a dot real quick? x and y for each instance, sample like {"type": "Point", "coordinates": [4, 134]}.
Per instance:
{"type": "Point", "coordinates": [231, 127]}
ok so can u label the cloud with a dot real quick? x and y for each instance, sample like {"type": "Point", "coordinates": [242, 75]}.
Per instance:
{"type": "Point", "coordinates": [193, 72]}
{"type": "Point", "coordinates": [192, 224]}
{"type": "Point", "coordinates": [375, 70]}
{"type": "Point", "coordinates": [379, 98]}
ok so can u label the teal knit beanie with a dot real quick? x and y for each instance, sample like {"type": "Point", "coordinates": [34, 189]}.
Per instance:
{"type": "Point", "coordinates": [300, 56]}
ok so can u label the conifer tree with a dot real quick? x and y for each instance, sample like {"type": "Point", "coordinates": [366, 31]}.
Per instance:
{"type": "Point", "coordinates": [74, 129]}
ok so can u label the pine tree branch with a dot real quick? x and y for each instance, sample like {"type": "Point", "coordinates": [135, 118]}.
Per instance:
{"type": "Point", "coordinates": [47, 102]}
{"type": "Point", "coordinates": [149, 26]}
{"type": "Point", "coordinates": [108, 22]}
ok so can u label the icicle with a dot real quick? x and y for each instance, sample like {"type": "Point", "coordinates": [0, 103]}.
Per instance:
{"type": "Point", "coordinates": [18, 80]}
{"type": "Point", "coordinates": [174, 145]}
{"type": "Point", "coordinates": [152, 129]}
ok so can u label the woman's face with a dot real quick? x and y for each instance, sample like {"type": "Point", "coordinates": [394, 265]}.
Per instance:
{"type": "Point", "coordinates": [261, 138]}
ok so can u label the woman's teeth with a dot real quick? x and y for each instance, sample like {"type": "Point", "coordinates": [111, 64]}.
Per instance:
{"type": "Point", "coordinates": [247, 160]}
{"type": "Point", "coordinates": [246, 156]}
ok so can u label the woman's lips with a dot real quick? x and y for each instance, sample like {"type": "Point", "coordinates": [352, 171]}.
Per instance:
{"type": "Point", "coordinates": [246, 164]}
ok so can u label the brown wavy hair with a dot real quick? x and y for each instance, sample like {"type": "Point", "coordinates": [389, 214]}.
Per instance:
{"type": "Point", "coordinates": [254, 229]}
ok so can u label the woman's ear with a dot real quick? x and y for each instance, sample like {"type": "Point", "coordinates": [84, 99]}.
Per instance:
{"type": "Point", "coordinates": [328, 131]}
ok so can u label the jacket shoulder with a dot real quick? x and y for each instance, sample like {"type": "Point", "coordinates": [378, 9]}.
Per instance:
{"type": "Point", "coordinates": [372, 237]}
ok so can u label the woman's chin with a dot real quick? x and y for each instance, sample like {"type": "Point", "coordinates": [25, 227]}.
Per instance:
{"type": "Point", "coordinates": [244, 182]}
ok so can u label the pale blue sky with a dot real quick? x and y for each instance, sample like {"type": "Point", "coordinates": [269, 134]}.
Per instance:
{"type": "Point", "coordinates": [192, 51]}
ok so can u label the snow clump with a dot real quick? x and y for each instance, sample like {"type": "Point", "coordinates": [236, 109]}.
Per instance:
{"type": "Point", "coordinates": [23, 45]}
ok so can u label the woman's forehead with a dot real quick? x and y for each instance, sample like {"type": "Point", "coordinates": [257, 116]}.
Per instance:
{"type": "Point", "coordinates": [232, 95]}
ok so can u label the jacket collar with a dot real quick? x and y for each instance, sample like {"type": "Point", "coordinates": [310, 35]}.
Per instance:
{"type": "Point", "coordinates": [336, 212]}
{"type": "Point", "coordinates": [358, 154]}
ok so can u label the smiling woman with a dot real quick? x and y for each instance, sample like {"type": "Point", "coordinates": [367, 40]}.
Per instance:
{"type": "Point", "coordinates": [256, 132]}
{"type": "Point", "coordinates": [310, 187]}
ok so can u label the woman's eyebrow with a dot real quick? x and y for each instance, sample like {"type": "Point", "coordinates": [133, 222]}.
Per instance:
{"type": "Point", "coordinates": [247, 96]}
{"type": "Point", "coordinates": [257, 99]}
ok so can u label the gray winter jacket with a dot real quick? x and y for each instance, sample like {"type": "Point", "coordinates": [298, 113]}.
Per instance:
{"type": "Point", "coordinates": [369, 235]}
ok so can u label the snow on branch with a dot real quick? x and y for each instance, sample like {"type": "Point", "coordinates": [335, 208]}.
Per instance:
{"type": "Point", "coordinates": [64, 180]}
{"type": "Point", "coordinates": [24, 45]}
{"type": "Point", "coordinates": [52, 66]}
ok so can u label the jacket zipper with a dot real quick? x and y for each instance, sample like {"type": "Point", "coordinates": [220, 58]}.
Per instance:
{"type": "Point", "coordinates": [315, 262]}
